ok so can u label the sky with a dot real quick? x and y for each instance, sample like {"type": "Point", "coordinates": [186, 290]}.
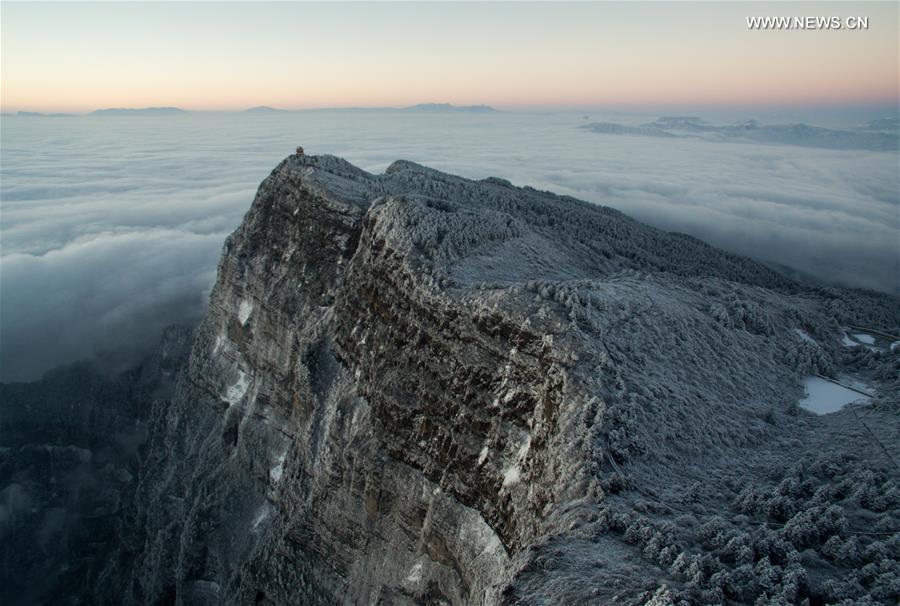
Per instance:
{"type": "Point", "coordinates": [77, 57]}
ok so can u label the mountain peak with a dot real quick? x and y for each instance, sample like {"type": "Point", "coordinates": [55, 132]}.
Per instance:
{"type": "Point", "coordinates": [473, 389]}
{"type": "Point", "coordinates": [264, 109]}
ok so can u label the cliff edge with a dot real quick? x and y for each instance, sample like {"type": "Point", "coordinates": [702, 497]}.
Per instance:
{"type": "Point", "coordinates": [414, 388]}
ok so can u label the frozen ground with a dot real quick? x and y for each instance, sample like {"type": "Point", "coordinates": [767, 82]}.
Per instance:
{"type": "Point", "coordinates": [870, 341]}
{"type": "Point", "coordinates": [823, 397]}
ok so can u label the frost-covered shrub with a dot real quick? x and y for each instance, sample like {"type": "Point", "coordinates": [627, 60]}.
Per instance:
{"type": "Point", "coordinates": [621, 419]}
{"type": "Point", "coordinates": [740, 583]}
{"type": "Point", "coordinates": [843, 550]}
{"type": "Point", "coordinates": [767, 575]}
{"type": "Point", "coordinates": [715, 533]}
{"type": "Point", "coordinates": [744, 315]}
{"type": "Point", "coordinates": [667, 555]}
{"type": "Point", "coordinates": [681, 563]}
{"type": "Point", "coordinates": [886, 585]}
{"type": "Point", "coordinates": [720, 314]}
{"type": "Point", "coordinates": [663, 596]}
{"type": "Point", "coordinates": [879, 496]}
{"type": "Point", "coordinates": [693, 573]}
{"type": "Point", "coordinates": [749, 500]}
{"type": "Point", "coordinates": [738, 550]}
{"type": "Point", "coordinates": [781, 507]}
{"type": "Point", "coordinates": [793, 578]}
{"type": "Point", "coordinates": [813, 525]}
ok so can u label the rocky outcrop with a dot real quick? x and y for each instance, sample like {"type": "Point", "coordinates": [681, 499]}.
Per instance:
{"type": "Point", "coordinates": [413, 388]}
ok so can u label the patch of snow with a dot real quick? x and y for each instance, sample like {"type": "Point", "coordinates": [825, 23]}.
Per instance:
{"type": "Point", "coordinates": [244, 311]}
{"type": "Point", "coordinates": [513, 473]}
{"type": "Point", "coordinates": [848, 342]}
{"type": "Point", "coordinates": [415, 574]}
{"type": "Point", "coordinates": [264, 512]}
{"type": "Point", "coordinates": [824, 397]}
{"type": "Point", "coordinates": [511, 476]}
{"type": "Point", "coordinates": [855, 339]}
{"type": "Point", "coordinates": [895, 345]}
{"type": "Point", "coordinates": [218, 344]}
{"type": "Point", "coordinates": [805, 336]}
{"type": "Point", "coordinates": [524, 448]}
{"type": "Point", "coordinates": [236, 391]}
{"type": "Point", "coordinates": [855, 383]}
{"type": "Point", "coordinates": [860, 338]}
{"type": "Point", "coordinates": [493, 548]}
{"type": "Point", "coordinates": [482, 456]}
{"type": "Point", "coordinates": [278, 469]}
{"type": "Point", "coordinates": [476, 532]}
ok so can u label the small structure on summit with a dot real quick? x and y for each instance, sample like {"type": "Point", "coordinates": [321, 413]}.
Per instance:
{"type": "Point", "coordinates": [299, 151]}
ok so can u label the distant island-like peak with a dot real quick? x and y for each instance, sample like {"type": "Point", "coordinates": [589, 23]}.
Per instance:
{"type": "Point", "coordinates": [263, 109]}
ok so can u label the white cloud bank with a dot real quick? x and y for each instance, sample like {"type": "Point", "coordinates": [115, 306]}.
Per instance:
{"type": "Point", "coordinates": [111, 227]}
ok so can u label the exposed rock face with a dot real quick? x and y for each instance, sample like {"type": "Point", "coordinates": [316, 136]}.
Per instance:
{"type": "Point", "coordinates": [415, 388]}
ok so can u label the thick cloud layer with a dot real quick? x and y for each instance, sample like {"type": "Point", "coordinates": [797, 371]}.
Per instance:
{"type": "Point", "coordinates": [878, 135]}
{"type": "Point", "coordinates": [111, 226]}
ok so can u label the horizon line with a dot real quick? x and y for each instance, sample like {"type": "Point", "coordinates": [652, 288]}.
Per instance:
{"type": "Point", "coordinates": [475, 107]}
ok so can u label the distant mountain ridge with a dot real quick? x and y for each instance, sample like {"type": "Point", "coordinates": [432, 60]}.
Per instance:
{"type": "Point", "coordinates": [265, 109]}
{"type": "Point", "coordinates": [27, 114]}
{"type": "Point", "coordinates": [144, 111]}
{"type": "Point", "coordinates": [447, 107]}
{"type": "Point", "coordinates": [421, 107]}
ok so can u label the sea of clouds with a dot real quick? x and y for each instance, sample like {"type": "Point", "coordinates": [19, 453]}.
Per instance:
{"type": "Point", "coordinates": [111, 227]}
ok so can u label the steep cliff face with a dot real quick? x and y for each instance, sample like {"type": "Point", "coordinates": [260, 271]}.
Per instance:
{"type": "Point", "coordinates": [416, 388]}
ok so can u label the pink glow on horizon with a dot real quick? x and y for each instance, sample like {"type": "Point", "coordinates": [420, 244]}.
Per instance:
{"type": "Point", "coordinates": [77, 57]}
